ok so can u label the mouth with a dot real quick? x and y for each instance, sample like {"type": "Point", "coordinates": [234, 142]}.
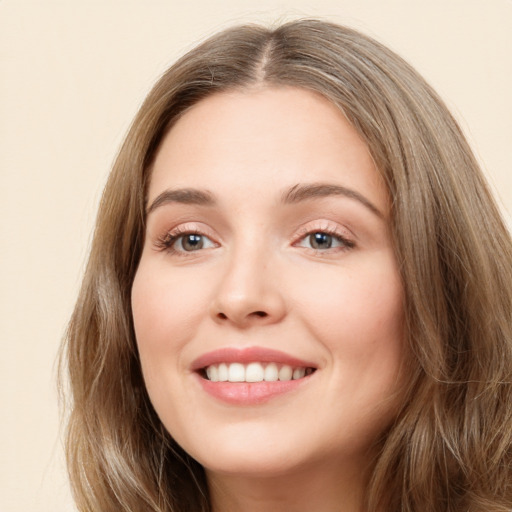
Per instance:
{"type": "Point", "coordinates": [251, 375]}
{"type": "Point", "coordinates": [254, 372]}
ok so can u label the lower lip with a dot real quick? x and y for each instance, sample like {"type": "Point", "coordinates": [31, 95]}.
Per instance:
{"type": "Point", "coordinates": [249, 393]}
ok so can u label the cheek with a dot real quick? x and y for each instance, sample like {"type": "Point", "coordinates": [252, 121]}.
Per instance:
{"type": "Point", "coordinates": [358, 317]}
{"type": "Point", "coordinates": [363, 305]}
{"type": "Point", "coordinates": [165, 308]}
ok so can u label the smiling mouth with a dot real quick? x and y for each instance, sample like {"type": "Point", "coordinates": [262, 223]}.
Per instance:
{"type": "Point", "coordinates": [254, 372]}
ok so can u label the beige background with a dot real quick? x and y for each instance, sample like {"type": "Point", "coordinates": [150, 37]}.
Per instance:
{"type": "Point", "coordinates": [72, 74]}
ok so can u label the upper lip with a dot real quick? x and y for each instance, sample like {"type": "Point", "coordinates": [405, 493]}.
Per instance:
{"type": "Point", "coordinates": [248, 355]}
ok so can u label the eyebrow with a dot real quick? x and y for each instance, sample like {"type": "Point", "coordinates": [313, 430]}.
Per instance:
{"type": "Point", "coordinates": [296, 194]}
{"type": "Point", "coordinates": [304, 192]}
{"type": "Point", "coordinates": [182, 196]}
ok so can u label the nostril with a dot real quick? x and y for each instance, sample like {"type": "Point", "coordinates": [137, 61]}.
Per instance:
{"type": "Point", "coordinates": [255, 314]}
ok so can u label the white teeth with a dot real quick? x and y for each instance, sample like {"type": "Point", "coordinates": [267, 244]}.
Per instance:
{"type": "Point", "coordinates": [255, 372]}
{"type": "Point", "coordinates": [223, 372]}
{"type": "Point", "coordinates": [236, 372]}
{"type": "Point", "coordinates": [212, 373]}
{"type": "Point", "coordinates": [286, 372]}
{"type": "Point", "coordinates": [298, 373]}
{"type": "Point", "coordinates": [271, 372]}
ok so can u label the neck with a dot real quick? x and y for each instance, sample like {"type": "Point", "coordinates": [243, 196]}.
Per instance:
{"type": "Point", "coordinates": [325, 489]}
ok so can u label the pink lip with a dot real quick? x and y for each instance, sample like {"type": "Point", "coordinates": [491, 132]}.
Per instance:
{"type": "Point", "coordinates": [248, 355]}
{"type": "Point", "coordinates": [245, 393]}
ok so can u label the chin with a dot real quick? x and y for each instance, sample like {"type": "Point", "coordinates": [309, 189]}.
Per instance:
{"type": "Point", "coordinates": [256, 450]}
{"type": "Point", "coordinates": [253, 463]}
{"type": "Point", "coordinates": [261, 451]}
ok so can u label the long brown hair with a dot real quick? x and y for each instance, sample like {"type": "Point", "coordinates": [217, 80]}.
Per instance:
{"type": "Point", "coordinates": [450, 447]}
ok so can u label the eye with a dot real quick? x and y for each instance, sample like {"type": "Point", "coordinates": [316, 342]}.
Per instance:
{"type": "Point", "coordinates": [189, 242]}
{"type": "Point", "coordinates": [320, 240]}
{"type": "Point", "coordinates": [184, 242]}
{"type": "Point", "coordinates": [324, 240]}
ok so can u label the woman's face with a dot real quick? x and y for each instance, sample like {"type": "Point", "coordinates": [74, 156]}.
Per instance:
{"type": "Point", "coordinates": [267, 303]}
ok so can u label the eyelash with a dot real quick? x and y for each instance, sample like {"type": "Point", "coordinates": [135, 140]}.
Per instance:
{"type": "Point", "coordinates": [347, 244]}
{"type": "Point", "coordinates": [167, 241]}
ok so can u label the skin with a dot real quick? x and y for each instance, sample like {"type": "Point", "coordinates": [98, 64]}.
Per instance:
{"type": "Point", "coordinates": [258, 281]}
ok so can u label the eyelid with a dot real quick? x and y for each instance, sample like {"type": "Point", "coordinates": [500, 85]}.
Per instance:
{"type": "Point", "coordinates": [324, 225]}
{"type": "Point", "coordinates": [167, 237]}
{"type": "Point", "coordinates": [327, 227]}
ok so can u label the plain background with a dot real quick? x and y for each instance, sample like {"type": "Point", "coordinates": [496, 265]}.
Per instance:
{"type": "Point", "coordinates": [72, 75]}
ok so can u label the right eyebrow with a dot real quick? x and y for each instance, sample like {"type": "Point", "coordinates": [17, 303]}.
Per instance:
{"type": "Point", "coordinates": [183, 196]}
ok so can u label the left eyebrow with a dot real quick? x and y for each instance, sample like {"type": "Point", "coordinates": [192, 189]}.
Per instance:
{"type": "Point", "coordinates": [304, 192]}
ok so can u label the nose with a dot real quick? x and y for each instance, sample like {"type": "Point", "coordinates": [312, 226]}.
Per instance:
{"type": "Point", "coordinates": [249, 293]}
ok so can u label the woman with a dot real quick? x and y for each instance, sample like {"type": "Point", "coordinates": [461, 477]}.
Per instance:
{"type": "Point", "coordinates": [298, 295]}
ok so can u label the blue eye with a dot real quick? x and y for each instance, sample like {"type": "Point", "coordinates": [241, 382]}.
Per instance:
{"type": "Point", "coordinates": [322, 241]}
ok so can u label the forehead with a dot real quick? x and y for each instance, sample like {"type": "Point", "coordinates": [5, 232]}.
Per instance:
{"type": "Point", "coordinates": [268, 138]}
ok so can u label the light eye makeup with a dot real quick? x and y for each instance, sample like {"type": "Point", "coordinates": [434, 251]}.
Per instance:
{"type": "Point", "coordinates": [324, 239]}
{"type": "Point", "coordinates": [184, 240]}
{"type": "Point", "coordinates": [189, 240]}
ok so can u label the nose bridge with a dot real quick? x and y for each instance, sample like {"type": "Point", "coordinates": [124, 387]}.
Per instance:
{"type": "Point", "coordinates": [247, 291]}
